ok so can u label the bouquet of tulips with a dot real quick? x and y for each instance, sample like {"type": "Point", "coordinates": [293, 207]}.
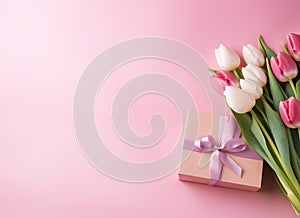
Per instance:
{"type": "Point", "coordinates": [264, 99]}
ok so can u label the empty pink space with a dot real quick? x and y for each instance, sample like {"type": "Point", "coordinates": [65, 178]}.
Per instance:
{"type": "Point", "coordinates": [45, 46]}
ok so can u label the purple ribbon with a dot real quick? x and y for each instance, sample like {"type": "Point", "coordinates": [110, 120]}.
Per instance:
{"type": "Point", "coordinates": [229, 142]}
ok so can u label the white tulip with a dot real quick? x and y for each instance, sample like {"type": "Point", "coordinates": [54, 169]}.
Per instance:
{"type": "Point", "coordinates": [251, 88]}
{"type": "Point", "coordinates": [238, 100]}
{"type": "Point", "coordinates": [227, 58]}
{"type": "Point", "coordinates": [255, 74]}
{"type": "Point", "coordinates": [253, 55]}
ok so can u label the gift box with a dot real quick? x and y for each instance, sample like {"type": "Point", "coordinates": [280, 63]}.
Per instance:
{"type": "Point", "coordinates": [213, 153]}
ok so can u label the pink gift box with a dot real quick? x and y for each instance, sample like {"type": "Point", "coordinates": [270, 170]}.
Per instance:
{"type": "Point", "coordinates": [196, 166]}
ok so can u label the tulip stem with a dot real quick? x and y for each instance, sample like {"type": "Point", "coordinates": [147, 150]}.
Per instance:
{"type": "Point", "coordinates": [266, 91]}
{"type": "Point", "coordinates": [236, 74]}
{"type": "Point", "coordinates": [267, 98]}
{"type": "Point", "coordinates": [298, 133]}
{"type": "Point", "coordinates": [261, 112]}
{"type": "Point", "coordinates": [294, 89]}
{"type": "Point", "coordinates": [286, 51]}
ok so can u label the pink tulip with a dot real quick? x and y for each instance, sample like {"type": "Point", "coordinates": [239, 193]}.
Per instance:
{"type": "Point", "coordinates": [284, 67]}
{"type": "Point", "coordinates": [290, 112]}
{"type": "Point", "coordinates": [222, 79]}
{"type": "Point", "coordinates": [293, 45]}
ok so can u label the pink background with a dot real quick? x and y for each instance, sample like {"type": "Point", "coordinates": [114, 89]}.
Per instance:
{"type": "Point", "coordinates": [44, 49]}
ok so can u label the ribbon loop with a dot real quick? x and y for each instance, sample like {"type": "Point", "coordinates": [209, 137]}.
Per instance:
{"type": "Point", "coordinates": [205, 144]}
{"type": "Point", "coordinates": [234, 145]}
{"type": "Point", "coordinates": [230, 142]}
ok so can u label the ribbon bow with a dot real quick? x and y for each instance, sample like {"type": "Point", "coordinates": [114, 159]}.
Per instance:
{"type": "Point", "coordinates": [229, 142]}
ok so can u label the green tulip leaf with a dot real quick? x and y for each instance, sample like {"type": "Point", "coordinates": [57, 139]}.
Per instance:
{"type": "Point", "coordinates": [259, 104]}
{"type": "Point", "coordinates": [263, 46]}
{"type": "Point", "coordinates": [244, 121]}
{"type": "Point", "coordinates": [248, 127]}
{"type": "Point", "coordinates": [280, 185]}
{"type": "Point", "coordinates": [295, 138]}
{"type": "Point", "coordinates": [295, 161]}
{"type": "Point", "coordinates": [288, 90]}
{"type": "Point", "coordinates": [213, 71]}
{"type": "Point", "coordinates": [279, 133]}
{"type": "Point", "coordinates": [258, 134]}
{"type": "Point", "coordinates": [298, 87]}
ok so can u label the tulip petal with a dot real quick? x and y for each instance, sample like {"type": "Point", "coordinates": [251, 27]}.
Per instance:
{"type": "Point", "coordinates": [284, 114]}
{"type": "Point", "coordinates": [239, 100]}
{"type": "Point", "coordinates": [290, 112]}
{"type": "Point", "coordinates": [222, 79]}
{"type": "Point", "coordinates": [251, 88]}
{"type": "Point", "coordinates": [294, 111]}
{"type": "Point", "coordinates": [293, 45]}
{"type": "Point", "coordinates": [255, 73]}
{"type": "Point", "coordinates": [253, 55]}
{"type": "Point", "coordinates": [284, 67]}
{"type": "Point", "coordinates": [227, 58]}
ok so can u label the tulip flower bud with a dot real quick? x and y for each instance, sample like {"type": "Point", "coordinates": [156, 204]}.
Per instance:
{"type": "Point", "coordinates": [290, 112]}
{"type": "Point", "coordinates": [255, 73]}
{"type": "Point", "coordinates": [253, 55]}
{"type": "Point", "coordinates": [222, 79]}
{"type": "Point", "coordinates": [251, 88]}
{"type": "Point", "coordinates": [284, 67]}
{"type": "Point", "coordinates": [227, 58]}
{"type": "Point", "coordinates": [239, 100]}
{"type": "Point", "coordinates": [293, 45]}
